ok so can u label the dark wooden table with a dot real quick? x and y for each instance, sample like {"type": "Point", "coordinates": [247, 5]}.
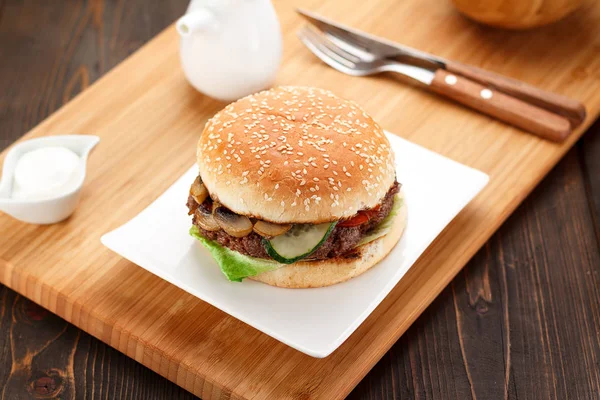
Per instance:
{"type": "Point", "coordinates": [521, 321]}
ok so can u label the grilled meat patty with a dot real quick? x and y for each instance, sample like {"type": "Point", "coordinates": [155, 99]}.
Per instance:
{"type": "Point", "coordinates": [340, 243]}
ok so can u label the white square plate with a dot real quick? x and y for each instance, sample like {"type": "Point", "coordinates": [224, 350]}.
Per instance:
{"type": "Point", "coordinates": [313, 321]}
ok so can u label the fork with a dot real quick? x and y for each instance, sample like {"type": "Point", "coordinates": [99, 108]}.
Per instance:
{"type": "Point", "coordinates": [354, 61]}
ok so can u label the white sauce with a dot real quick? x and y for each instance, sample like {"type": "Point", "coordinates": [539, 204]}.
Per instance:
{"type": "Point", "coordinates": [46, 173]}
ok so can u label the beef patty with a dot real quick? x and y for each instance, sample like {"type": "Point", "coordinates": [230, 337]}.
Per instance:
{"type": "Point", "coordinates": [338, 244]}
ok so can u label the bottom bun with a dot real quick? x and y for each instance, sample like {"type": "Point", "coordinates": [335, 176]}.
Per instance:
{"type": "Point", "coordinates": [314, 274]}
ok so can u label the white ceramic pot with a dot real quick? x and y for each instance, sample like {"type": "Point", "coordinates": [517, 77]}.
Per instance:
{"type": "Point", "coordinates": [230, 48]}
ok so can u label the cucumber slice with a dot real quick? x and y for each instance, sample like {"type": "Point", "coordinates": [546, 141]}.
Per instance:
{"type": "Point", "coordinates": [299, 242]}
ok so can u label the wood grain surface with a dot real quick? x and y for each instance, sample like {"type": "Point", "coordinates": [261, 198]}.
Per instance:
{"type": "Point", "coordinates": [521, 321]}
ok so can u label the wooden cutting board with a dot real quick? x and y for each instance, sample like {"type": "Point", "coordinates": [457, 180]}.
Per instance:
{"type": "Point", "coordinates": [149, 120]}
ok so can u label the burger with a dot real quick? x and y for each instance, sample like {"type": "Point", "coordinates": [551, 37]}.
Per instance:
{"type": "Point", "coordinates": [296, 188]}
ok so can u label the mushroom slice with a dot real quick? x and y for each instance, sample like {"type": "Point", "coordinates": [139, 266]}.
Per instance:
{"type": "Point", "coordinates": [206, 220]}
{"type": "Point", "coordinates": [269, 229]}
{"type": "Point", "coordinates": [232, 223]}
{"type": "Point", "coordinates": [198, 191]}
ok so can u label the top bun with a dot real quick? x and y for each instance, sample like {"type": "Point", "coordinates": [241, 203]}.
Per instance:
{"type": "Point", "coordinates": [295, 155]}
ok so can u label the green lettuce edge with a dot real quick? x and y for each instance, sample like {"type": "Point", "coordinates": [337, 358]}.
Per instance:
{"type": "Point", "coordinates": [236, 266]}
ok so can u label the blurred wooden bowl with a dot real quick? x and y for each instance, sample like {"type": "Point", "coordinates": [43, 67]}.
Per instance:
{"type": "Point", "coordinates": [516, 14]}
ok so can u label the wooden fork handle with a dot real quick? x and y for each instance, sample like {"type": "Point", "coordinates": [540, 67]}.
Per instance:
{"type": "Point", "coordinates": [501, 106]}
{"type": "Point", "coordinates": [572, 109]}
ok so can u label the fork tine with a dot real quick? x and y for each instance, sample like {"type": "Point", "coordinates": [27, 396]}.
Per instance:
{"type": "Point", "coordinates": [315, 44]}
{"type": "Point", "coordinates": [334, 47]}
{"type": "Point", "coordinates": [313, 41]}
{"type": "Point", "coordinates": [349, 48]}
{"type": "Point", "coordinates": [337, 49]}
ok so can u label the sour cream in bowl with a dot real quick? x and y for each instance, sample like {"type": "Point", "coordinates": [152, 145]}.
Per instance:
{"type": "Point", "coordinates": [42, 178]}
{"type": "Point", "coordinates": [45, 173]}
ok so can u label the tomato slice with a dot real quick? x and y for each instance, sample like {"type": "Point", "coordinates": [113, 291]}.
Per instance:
{"type": "Point", "coordinates": [357, 220]}
{"type": "Point", "coordinates": [362, 217]}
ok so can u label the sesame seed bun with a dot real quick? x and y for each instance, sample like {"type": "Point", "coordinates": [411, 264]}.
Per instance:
{"type": "Point", "coordinates": [314, 274]}
{"type": "Point", "coordinates": [295, 155]}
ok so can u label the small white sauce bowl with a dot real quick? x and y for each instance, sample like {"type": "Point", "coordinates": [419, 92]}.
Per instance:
{"type": "Point", "coordinates": [51, 210]}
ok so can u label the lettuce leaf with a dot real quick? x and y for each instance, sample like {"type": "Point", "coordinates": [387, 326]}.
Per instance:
{"type": "Point", "coordinates": [235, 266]}
{"type": "Point", "coordinates": [384, 226]}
